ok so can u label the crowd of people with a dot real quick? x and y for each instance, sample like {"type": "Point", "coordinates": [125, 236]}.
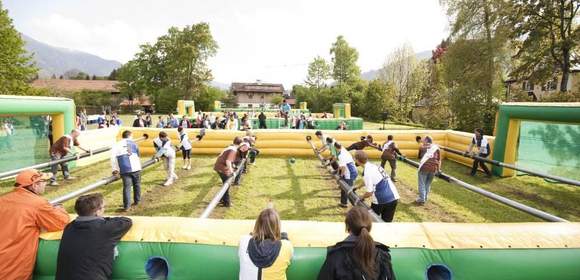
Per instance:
{"type": "Point", "coordinates": [88, 246]}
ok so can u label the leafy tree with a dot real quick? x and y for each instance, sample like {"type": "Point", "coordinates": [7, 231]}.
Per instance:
{"type": "Point", "coordinates": [209, 94]}
{"type": "Point", "coordinates": [176, 64]}
{"type": "Point", "coordinates": [407, 75]}
{"type": "Point", "coordinates": [465, 80]}
{"type": "Point", "coordinates": [378, 98]}
{"type": "Point", "coordinates": [318, 73]}
{"type": "Point", "coordinates": [548, 38]}
{"type": "Point", "coordinates": [113, 75]}
{"type": "Point", "coordinates": [344, 62]}
{"type": "Point", "coordinates": [276, 100]}
{"type": "Point", "coordinates": [16, 66]}
{"type": "Point", "coordinates": [94, 77]}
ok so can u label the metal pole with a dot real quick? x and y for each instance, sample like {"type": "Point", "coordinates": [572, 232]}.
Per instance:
{"type": "Point", "coordinates": [10, 173]}
{"type": "Point", "coordinates": [503, 200]}
{"type": "Point", "coordinates": [510, 166]}
{"type": "Point", "coordinates": [352, 196]}
{"type": "Point", "coordinates": [216, 199]}
{"type": "Point", "coordinates": [95, 185]}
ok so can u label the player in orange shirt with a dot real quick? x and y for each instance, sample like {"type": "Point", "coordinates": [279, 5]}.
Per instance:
{"type": "Point", "coordinates": [25, 214]}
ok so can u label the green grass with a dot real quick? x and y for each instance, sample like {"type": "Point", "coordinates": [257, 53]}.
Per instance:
{"type": "Point", "coordinates": [304, 191]}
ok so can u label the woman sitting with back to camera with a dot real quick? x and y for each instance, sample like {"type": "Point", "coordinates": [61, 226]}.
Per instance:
{"type": "Point", "coordinates": [265, 254]}
{"type": "Point", "coordinates": [358, 256]}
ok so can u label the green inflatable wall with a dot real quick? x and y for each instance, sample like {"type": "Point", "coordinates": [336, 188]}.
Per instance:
{"type": "Point", "coordinates": [196, 261]}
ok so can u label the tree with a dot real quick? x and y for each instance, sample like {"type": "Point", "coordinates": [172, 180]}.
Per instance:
{"type": "Point", "coordinates": [378, 98]}
{"type": "Point", "coordinates": [94, 77]}
{"type": "Point", "coordinates": [16, 66]}
{"type": "Point", "coordinates": [318, 73]}
{"type": "Point", "coordinates": [177, 62]}
{"type": "Point", "coordinates": [53, 76]}
{"type": "Point", "coordinates": [344, 62]}
{"type": "Point", "coordinates": [209, 94]}
{"type": "Point", "coordinates": [547, 39]}
{"type": "Point", "coordinates": [113, 75]}
{"type": "Point", "coordinates": [401, 69]}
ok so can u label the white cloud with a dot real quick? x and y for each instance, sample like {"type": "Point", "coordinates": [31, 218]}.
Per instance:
{"type": "Point", "coordinates": [272, 40]}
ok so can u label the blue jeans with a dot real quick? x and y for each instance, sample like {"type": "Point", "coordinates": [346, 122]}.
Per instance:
{"type": "Point", "coordinates": [425, 179]}
{"type": "Point", "coordinates": [226, 198]}
{"type": "Point", "coordinates": [343, 196]}
{"type": "Point", "coordinates": [54, 168]}
{"type": "Point", "coordinates": [131, 180]}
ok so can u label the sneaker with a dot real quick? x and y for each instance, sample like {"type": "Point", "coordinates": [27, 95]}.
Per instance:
{"type": "Point", "coordinates": [168, 183]}
{"type": "Point", "coordinates": [122, 210]}
{"type": "Point", "coordinates": [394, 180]}
{"type": "Point", "coordinates": [419, 203]}
{"type": "Point", "coordinates": [69, 178]}
{"type": "Point", "coordinates": [188, 167]}
{"type": "Point", "coordinates": [134, 204]}
{"type": "Point", "coordinates": [53, 183]}
{"type": "Point", "coordinates": [184, 167]}
{"type": "Point", "coordinates": [342, 205]}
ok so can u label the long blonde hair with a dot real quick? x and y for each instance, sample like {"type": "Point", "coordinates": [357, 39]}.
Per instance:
{"type": "Point", "coordinates": [267, 225]}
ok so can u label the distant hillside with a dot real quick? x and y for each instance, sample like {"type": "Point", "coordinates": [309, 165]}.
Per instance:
{"type": "Point", "coordinates": [53, 60]}
{"type": "Point", "coordinates": [372, 74]}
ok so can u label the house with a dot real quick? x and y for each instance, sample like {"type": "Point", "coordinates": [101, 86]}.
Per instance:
{"type": "Point", "coordinates": [258, 94]}
{"type": "Point", "coordinates": [538, 91]}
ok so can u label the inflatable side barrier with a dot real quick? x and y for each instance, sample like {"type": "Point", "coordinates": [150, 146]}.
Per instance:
{"type": "Point", "coordinates": [207, 249]}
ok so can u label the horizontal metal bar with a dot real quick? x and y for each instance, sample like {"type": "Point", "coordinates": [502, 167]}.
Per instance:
{"type": "Point", "coordinates": [216, 199]}
{"type": "Point", "coordinates": [95, 185]}
{"type": "Point", "coordinates": [352, 196]}
{"type": "Point", "coordinates": [503, 200]}
{"type": "Point", "coordinates": [44, 165]}
{"type": "Point", "coordinates": [510, 166]}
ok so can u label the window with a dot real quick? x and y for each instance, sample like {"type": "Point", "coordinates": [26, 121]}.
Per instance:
{"type": "Point", "coordinates": [527, 85]}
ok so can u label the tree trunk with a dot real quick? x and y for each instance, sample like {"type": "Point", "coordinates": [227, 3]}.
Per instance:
{"type": "Point", "coordinates": [565, 70]}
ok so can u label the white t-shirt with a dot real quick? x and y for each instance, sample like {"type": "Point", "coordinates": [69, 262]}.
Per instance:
{"type": "Point", "coordinates": [375, 175]}
{"type": "Point", "coordinates": [344, 158]}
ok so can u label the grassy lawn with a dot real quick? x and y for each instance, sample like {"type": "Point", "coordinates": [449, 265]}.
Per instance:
{"type": "Point", "coordinates": [303, 191]}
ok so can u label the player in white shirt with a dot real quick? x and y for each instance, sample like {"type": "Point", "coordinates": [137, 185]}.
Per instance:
{"type": "Point", "coordinates": [378, 185]}
{"type": "Point", "coordinates": [346, 169]}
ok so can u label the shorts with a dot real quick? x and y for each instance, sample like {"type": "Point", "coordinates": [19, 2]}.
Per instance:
{"type": "Point", "coordinates": [186, 153]}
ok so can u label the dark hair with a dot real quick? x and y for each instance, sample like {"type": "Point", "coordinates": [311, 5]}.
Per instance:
{"type": "Point", "coordinates": [362, 138]}
{"type": "Point", "coordinates": [237, 140]}
{"type": "Point", "coordinates": [479, 130]}
{"type": "Point", "coordinates": [180, 129]}
{"type": "Point", "coordinates": [358, 223]}
{"type": "Point", "coordinates": [328, 140]}
{"type": "Point", "coordinates": [162, 134]}
{"type": "Point", "coordinates": [318, 132]}
{"type": "Point", "coordinates": [418, 138]}
{"type": "Point", "coordinates": [337, 145]}
{"type": "Point", "coordinates": [390, 137]}
{"type": "Point", "coordinates": [126, 134]}
{"type": "Point", "coordinates": [88, 205]}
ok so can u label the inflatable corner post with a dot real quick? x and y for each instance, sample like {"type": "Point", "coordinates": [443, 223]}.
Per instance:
{"type": "Point", "coordinates": [217, 105]}
{"type": "Point", "coordinates": [208, 249]}
{"type": "Point", "coordinates": [185, 107]}
{"type": "Point", "coordinates": [508, 123]}
{"type": "Point", "coordinates": [61, 110]}
{"type": "Point", "coordinates": [341, 110]}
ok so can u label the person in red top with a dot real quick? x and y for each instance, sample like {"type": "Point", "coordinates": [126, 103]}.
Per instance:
{"type": "Point", "coordinates": [429, 166]}
{"type": "Point", "coordinates": [61, 148]}
{"type": "Point", "coordinates": [25, 214]}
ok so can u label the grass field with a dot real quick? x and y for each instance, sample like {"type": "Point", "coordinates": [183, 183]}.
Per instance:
{"type": "Point", "coordinates": [303, 191]}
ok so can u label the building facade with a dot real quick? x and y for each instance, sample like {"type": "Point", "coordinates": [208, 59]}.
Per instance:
{"type": "Point", "coordinates": [537, 92]}
{"type": "Point", "coordinates": [256, 95]}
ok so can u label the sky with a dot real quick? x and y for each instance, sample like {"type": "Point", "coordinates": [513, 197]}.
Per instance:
{"type": "Point", "coordinates": [267, 40]}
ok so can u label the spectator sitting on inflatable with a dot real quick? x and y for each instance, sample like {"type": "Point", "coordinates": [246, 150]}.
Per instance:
{"type": "Point", "coordinates": [358, 256]}
{"type": "Point", "coordinates": [266, 252]}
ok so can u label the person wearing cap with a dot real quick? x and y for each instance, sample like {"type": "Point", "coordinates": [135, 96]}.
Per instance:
{"type": "Point", "coordinates": [88, 244]}
{"type": "Point", "coordinates": [224, 166]}
{"type": "Point", "coordinates": [125, 162]}
{"type": "Point", "coordinates": [25, 214]}
{"type": "Point", "coordinates": [61, 148]}
{"type": "Point", "coordinates": [379, 186]}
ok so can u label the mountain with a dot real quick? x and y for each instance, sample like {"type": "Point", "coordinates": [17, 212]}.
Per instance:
{"type": "Point", "coordinates": [53, 60]}
{"type": "Point", "coordinates": [373, 74]}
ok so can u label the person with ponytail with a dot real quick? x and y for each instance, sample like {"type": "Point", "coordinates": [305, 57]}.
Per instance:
{"type": "Point", "coordinates": [266, 253]}
{"type": "Point", "coordinates": [358, 256]}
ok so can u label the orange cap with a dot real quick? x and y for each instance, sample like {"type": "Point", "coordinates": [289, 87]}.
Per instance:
{"type": "Point", "coordinates": [28, 177]}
